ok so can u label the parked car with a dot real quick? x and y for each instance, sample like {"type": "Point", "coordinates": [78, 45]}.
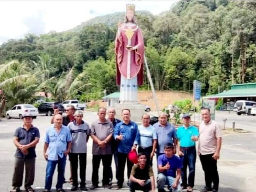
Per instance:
{"type": "Point", "coordinates": [75, 103]}
{"type": "Point", "coordinates": [244, 107]}
{"type": "Point", "coordinates": [253, 110]}
{"type": "Point", "coordinates": [47, 108]}
{"type": "Point", "coordinates": [18, 111]}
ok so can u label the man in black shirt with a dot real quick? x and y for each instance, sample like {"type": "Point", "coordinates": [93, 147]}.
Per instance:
{"type": "Point", "coordinates": [142, 176]}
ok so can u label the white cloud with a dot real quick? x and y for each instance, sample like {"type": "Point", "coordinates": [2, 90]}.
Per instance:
{"type": "Point", "coordinates": [18, 18]}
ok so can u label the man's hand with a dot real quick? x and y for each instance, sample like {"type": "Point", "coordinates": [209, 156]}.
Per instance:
{"type": "Point", "coordinates": [25, 152]}
{"type": "Point", "coordinates": [56, 111]}
{"type": "Point", "coordinates": [194, 138]}
{"type": "Point", "coordinates": [134, 147]}
{"type": "Point", "coordinates": [180, 153]}
{"type": "Point", "coordinates": [45, 156]}
{"type": "Point", "coordinates": [216, 156]}
{"type": "Point", "coordinates": [152, 155]}
{"type": "Point", "coordinates": [120, 137]}
{"type": "Point", "coordinates": [66, 152]}
{"type": "Point", "coordinates": [174, 185]}
{"type": "Point", "coordinates": [141, 182]}
{"type": "Point", "coordinates": [102, 144]}
{"type": "Point", "coordinates": [167, 166]}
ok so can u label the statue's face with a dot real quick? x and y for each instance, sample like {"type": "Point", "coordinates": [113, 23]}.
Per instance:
{"type": "Point", "coordinates": [129, 15]}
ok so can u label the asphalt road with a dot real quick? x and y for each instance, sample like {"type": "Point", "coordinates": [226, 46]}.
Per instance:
{"type": "Point", "coordinates": [236, 166]}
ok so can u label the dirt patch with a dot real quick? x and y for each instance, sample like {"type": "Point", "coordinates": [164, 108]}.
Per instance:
{"type": "Point", "coordinates": [231, 131]}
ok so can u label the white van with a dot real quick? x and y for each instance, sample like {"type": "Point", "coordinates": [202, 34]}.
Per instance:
{"type": "Point", "coordinates": [244, 107]}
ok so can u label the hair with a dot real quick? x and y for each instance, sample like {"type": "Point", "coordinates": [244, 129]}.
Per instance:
{"type": "Point", "coordinates": [127, 110]}
{"type": "Point", "coordinates": [205, 108]}
{"type": "Point", "coordinates": [102, 108]}
{"type": "Point", "coordinates": [169, 146]}
{"type": "Point", "coordinates": [146, 115]}
{"type": "Point", "coordinates": [111, 109]}
{"type": "Point", "coordinates": [163, 113]}
{"type": "Point", "coordinates": [79, 112]}
{"type": "Point", "coordinates": [140, 154]}
{"type": "Point", "coordinates": [72, 107]}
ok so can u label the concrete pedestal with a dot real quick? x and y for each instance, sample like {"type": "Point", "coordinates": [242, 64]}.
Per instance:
{"type": "Point", "coordinates": [137, 110]}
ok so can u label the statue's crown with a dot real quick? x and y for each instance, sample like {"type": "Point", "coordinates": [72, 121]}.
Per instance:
{"type": "Point", "coordinates": [130, 7]}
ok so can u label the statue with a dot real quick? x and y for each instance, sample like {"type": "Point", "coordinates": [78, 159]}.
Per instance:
{"type": "Point", "coordinates": [129, 49]}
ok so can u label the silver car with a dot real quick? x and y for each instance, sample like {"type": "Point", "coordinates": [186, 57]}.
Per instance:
{"type": "Point", "coordinates": [18, 111]}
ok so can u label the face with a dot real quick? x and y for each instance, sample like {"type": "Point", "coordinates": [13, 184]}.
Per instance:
{"type": "Point", "coordinates": [168, 152]}
{"type": "Point", "coordinates": [102, 114]}
{"type": "Point", "coordinates": [186, 120]}
{"type": "Point", "coordinates": [206, 116]}
{"type": "Point", "coordinates": [27, 121]}
{"type": "Point", "coordinates": [163, 119]}
{"type": "Point", "coordinates": [57, 120]}
{"type": "Point", "coordinates": [126, 115]}
{"type": "Point", "coordinates": [145, 120]}
{"type": "Point", "coordinates": [70, 111]}
{"type": "Point", "coordinates": [111, 114]}
{"type": "Point", "coordinates": [129, 15]}
{"type": "Point", "coordinates": [142, 159]}
{"type": "Point", "coordinates": [79, 118]}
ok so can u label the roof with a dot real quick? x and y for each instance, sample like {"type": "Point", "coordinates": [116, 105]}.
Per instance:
{"type": "Point", "coordinates": [237, 90]}
{"type": "Point", "coordinates": [114, 95]}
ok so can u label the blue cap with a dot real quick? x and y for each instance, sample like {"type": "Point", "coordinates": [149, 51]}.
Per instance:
{"type": "Point", "coordinates": [186, 115]}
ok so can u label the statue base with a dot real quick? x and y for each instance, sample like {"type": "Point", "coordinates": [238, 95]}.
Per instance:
{"type": "Point", "coordinates": [137, 110]}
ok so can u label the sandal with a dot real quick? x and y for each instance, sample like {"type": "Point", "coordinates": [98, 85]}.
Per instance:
{"type": "Point", "coordinates": [29, 189]}
{"type": "Point", "coordinates": [15, 189]}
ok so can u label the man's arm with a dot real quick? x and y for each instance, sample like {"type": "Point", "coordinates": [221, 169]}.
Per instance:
{"type": "Point", "coordinates": [177, 179]}
{"type": "Point", "coordinates": [152, 179]}
{"type": "Point", "coordinates": [68, 148]}
{"type": "Point", "coordinates": [216, 155]}
{"type": "Point", "coordinates": [178, 149]}
{"type": "Point", "coordinates": [45, 150]}
{"type": "Point", "coordinates": [153, 149]}
{"type": "Point", "coordinates": [163, 168]}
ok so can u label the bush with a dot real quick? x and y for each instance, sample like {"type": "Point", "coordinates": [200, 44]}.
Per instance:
{"type": "Point", "coordinates": [184, 105]}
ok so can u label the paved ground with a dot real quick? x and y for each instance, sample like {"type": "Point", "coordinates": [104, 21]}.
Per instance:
{"type": "Point", "coordinates": [236, 166]}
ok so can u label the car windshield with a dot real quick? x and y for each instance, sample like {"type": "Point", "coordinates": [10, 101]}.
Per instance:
{"type": "Point", "coordinates": [28, 106]}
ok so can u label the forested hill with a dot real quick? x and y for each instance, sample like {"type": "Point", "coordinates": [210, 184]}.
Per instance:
{"type": "Point", "coordinates": [212, 41]}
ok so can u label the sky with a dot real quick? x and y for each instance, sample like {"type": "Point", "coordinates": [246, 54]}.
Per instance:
{"type": "Point", "coordinates": [20, 17]}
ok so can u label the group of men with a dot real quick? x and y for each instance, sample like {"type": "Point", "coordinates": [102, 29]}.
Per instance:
{"type": "Point", "coordinates": [68, 136]}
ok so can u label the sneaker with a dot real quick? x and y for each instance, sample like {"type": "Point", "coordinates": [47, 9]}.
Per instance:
{"type": "Point", "coordinates": [73, 188]}
{"type": "Point", "coordinates": [93, 187]}
{"type": "Point", "coordinates": [83, 188]}
{"type": "Point", "coordinates": [15, 189]}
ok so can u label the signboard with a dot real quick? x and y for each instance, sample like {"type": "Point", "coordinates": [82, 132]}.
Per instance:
{"type": "Point", "coordinates": [210, 104]}
{"type": "Point", "coordinates": [196, 90]}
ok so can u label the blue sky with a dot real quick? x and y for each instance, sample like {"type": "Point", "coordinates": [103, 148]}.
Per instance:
{"type": "Point", "coordinates": [17, 18]}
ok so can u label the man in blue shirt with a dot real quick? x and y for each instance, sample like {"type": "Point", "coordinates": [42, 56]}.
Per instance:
{"type": "Point", "coordinates": [56, 147]}
{"type": "Point", "coordinates": [148, 138]}
{"type": "Point", "coordinates": [187, 135]}
{"type": "Point", "coordinates": [126, 132]}
{"type": "Point", "coordinates": [169, 167]}
{"type": "Point", "coordinates": [166, 133]}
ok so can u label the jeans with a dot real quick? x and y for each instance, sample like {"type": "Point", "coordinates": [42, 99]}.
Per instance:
{"type": "Point", "coordinates": [50, 168]}
{"type": "Point", "coordinates": [188, 160]}
{"type": "Point", "coordinates": [122, 158]}
{"type": "Point", "coordinates": [147, 151]}
{"type": "Point", "coordinates": [74, 166]}
{"type": "Point", "coordinates": [162, 180]}
{"type": "Point", "coordinates": [209, 166]}
{"type": "Point", "coordinates": [106, 160]}
{"type": "Point", "coordinates": [19, 164]}
{"type": "Point", "coordinates": [135, 186]}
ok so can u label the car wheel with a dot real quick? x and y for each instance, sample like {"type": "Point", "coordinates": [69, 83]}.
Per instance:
{"type": "Point", "coordinates": [34, 117]}
{"type": "Point", "coordinates": [238, 113]}
{"type": "Point", "coordinates": [49, 113]}
{"type": "Point", "coordinates": [8, 116]}
{"type": "Point", "coordinates": [20, 116]}
{"type": "Point", "coordinates": [253, 115]}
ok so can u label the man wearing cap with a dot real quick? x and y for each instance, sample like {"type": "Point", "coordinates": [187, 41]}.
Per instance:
{"type": "Point", "coordinates": [25, 139]}
{"type": "Point", "coordinates": [114, 143]}
{"type": "Point", "coordinates": [56, 147]}
{"type": "Point", "coordinates": [186, 148]}
{"type": "Point", "coordinates": [169, 168]}
{"type": "Point", "coordinates": [126, 132]}
{"type": "Point", "coordinates": [101, 133]}
{"type": "Point", "coordinates": [209, 146]}
{"type": "Point", "coordinates": [166, 133]}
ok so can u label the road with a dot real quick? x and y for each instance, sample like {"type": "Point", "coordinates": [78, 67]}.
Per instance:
{"type": "Point", "coordinates": [236, 166]}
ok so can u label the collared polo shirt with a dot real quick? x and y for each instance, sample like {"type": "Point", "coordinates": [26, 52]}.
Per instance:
{"type": "Point", "coordinates": [57, 142]}
{"type": "Point", "coordinates": [25, 137]}
{"type": "Point", "coordinates": [165, 134]}
{"type": "Point", "coordinates": [147, 135]}
{"type": "Point", "coordinates": [101, 130]}
{"type": "Point", "coordinates": [184, 135]}
{"type": "Point", "coordinates": [79, 135]}
{"type": "Point", "coordinates": [130, 136]}
{"type": "Point", "coordinates": [208, 137]}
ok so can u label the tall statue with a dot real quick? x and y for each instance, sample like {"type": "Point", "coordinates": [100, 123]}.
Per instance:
{"type": "Point", "coordinates": [129, 48]}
